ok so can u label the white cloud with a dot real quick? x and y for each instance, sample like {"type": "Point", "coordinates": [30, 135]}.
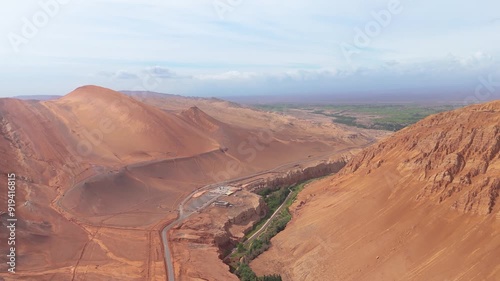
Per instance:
{"type": "Point", "coordinates": [184, 44]}
{"type": "Point", "coordinates": [229, 75]}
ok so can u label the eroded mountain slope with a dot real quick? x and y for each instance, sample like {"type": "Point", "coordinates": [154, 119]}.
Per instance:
{"type": "Point", "coordinates": [421, 205]}
{"type": "Point", "coordinates": [100, 173]}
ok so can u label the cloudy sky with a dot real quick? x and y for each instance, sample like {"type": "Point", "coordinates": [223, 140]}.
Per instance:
{"type": "Point", "coordinates": [250, 47]}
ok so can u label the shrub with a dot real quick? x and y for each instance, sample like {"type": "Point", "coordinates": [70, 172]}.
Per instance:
{"type": "Point", "coordinates": [241, 248]}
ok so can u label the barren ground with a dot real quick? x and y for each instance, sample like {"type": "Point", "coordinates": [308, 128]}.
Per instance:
{"type": "Point", "coordinates": [100, 173]}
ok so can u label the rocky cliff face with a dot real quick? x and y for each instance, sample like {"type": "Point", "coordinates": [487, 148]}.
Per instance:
{"type": "Point", "coordinates": [454, 157]}
{"type": "Point", "coordinates": [218, 230]}
{"type": "Point", "coordinates": [420, 205]}
{"type": "Point", "coordinates": [223, 227]}
{"type": "Point", "coordinates": [205, 238]}
{"type": "Point", "coordinates": [298, 175]}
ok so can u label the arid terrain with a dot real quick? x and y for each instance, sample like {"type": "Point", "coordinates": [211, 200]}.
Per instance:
{"type": "Point", "coordinates": [101, 173]}
{"type": "Point", "coordinates": [419, 205]}
{"type": "Point", "coordinates": [146, 186]}
{"type": "Point", "coordinates": [230, 140]}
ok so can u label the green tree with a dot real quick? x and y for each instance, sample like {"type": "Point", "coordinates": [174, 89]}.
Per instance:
{"type": "Point", "coordinates": [241, 248]}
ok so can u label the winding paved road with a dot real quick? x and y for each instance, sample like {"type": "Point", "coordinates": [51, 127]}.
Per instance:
{"type": "Point", "coordinates": [183, 215]}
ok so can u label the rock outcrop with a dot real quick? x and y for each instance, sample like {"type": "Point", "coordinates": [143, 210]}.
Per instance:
{"type": "Point", "coordinates": [420, 205]}
{"type": "Point", "coordinates": [453, 156]}
{"type": "Point", "coordinates": [298, 175]}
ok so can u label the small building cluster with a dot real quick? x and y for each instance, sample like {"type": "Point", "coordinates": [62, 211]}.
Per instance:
{"type": "Point", "coordinates": [226, 190]}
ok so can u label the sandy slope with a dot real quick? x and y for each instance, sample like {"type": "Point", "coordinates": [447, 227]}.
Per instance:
{"type": "Point", "coordinates": [118, 126]}
{"type": "Point", "coordinates": [54, 144]}
{"type": "Point", "coordinates": [100, 173]}
{"type": "Point", "coordinates": [421, 205]}
{"type": "Point", "coordinates": [249, 118]}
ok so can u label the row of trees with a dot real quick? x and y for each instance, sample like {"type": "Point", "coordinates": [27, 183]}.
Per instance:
{"type": "Point", "coordinates": [246, 274]}
{"type": "Point", "coordinates": [273, 199]}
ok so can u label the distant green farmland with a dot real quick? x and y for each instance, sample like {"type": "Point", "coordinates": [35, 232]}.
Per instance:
{"type": "Point", "coordinates": [390, 117]}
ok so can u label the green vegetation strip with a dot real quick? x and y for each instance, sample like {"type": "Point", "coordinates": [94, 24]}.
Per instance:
{"type": "Point", "coordinates": [390, 117]}
{"type": "Point", "coordinates": [250, 249]}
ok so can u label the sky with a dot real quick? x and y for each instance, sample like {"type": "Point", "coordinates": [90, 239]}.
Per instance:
{"type": "Point", "coordinates": [252, 47]}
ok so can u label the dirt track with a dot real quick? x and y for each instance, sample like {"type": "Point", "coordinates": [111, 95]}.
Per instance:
{"type": "Point", "coordinates": [93, 230]}
{"type": "Point", "coordinates": [183, 216]}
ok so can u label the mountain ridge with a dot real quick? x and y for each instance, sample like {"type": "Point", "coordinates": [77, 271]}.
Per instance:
{"type": "Point", "coordinates": [419, 205]}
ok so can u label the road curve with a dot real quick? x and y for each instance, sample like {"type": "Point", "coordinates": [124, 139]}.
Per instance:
{"type": "Point", "coordinates": [59, 208]}
{"type": "Point", "coordinates": [182, 215]}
